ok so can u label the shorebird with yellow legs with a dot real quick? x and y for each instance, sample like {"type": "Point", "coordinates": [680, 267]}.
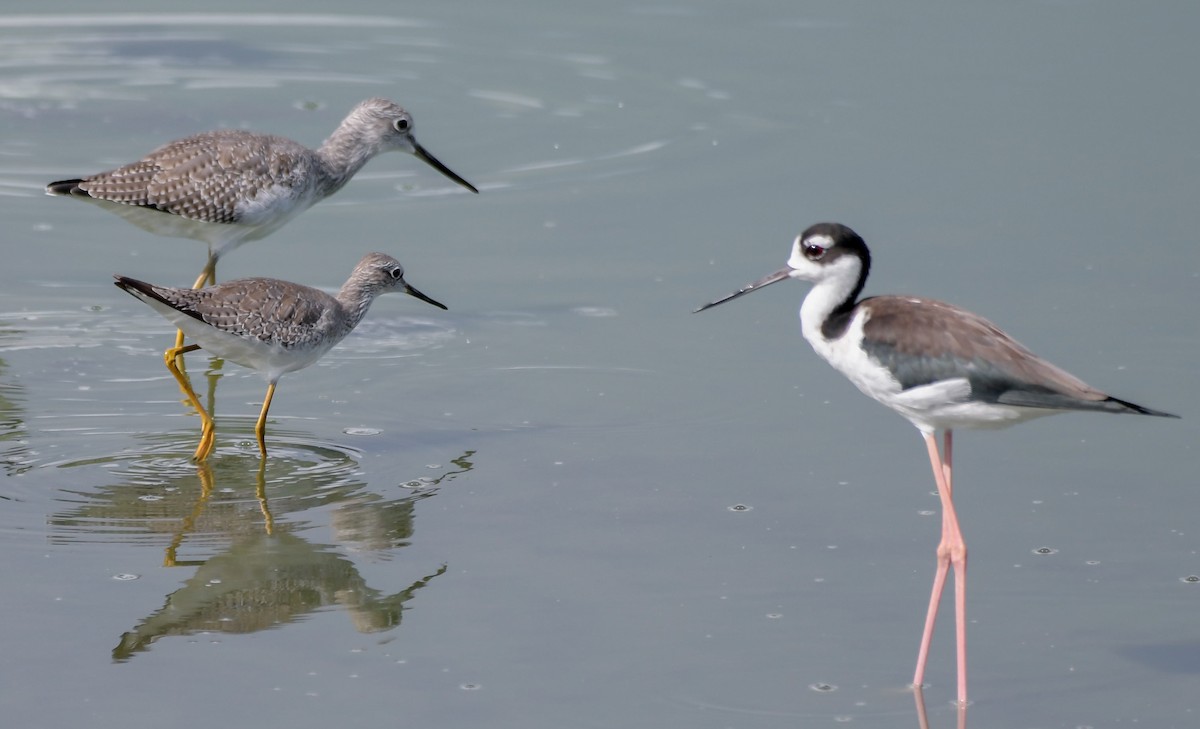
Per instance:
{"type": "Point", "coordinates": [268, 325]}
{"type": "Point", "coordinates": [231, 186]}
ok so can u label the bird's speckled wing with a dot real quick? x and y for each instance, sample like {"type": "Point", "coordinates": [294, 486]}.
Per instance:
{"type": "Point", "coordinates": [203, 177]}
{"type": "Point", "coordinates": [275, 312]}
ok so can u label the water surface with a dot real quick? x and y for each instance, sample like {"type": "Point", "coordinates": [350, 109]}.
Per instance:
{"type": "Point", "coordinates": [568, 501]}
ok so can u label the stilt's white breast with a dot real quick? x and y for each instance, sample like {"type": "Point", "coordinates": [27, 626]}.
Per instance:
{"type": "Point", "coordinates": [846, 355]}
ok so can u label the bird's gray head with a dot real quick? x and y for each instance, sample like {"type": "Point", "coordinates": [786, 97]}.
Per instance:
{"type": "Point", "coordinates": [381, 273]}
{"type": "Point", "coordinates": [387, 120]}
{"type": "Point", "coordinates": [390, 128]}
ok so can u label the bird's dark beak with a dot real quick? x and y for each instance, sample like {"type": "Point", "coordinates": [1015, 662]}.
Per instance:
{"type": "Point", "coordinates": [763, 282]}
{"type": "Point", "coordinates": [417, 294]}
{"type": "Point", "coordinates": [424, 155]}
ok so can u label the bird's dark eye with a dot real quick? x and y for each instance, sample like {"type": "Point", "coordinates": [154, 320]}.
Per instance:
{"type": "Point", "coordinates": [397, 274]}
{"type": "Point", "coordinates": [401, 124]}
{"type": "Point", "coordinates": [813, 252]}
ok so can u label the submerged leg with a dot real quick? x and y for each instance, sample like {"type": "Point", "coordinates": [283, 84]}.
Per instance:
{"type": "Point", "coordinates": [951, 551]}
{"type": "Point", "coordinates": [922, 716]}
{"type": "Point", "coordinates": [260, 428]}
{"type": "Point", "coordinates": [260, 491]}
{"type": "Point", "coordinates": [207, 436]}
{"type": "Point", "coordinates": [188, 524]}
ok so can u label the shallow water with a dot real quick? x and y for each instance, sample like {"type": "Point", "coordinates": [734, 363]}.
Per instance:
{"type": "Point", "coordinates": [568, 501]}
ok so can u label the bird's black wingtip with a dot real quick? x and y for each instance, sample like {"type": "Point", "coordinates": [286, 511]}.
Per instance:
{"type": "Point", "coordinates": [133, 286]}
{"type": "Point", "coordinates": [1161, 414]}
{"type": "Point", "coordinates": [64, 187]}
{"type": "Point", "coordinates": [1142, 410]}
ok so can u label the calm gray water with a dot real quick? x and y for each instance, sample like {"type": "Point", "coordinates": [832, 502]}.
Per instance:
{"type": "Point", "coordinates": [567, 501]}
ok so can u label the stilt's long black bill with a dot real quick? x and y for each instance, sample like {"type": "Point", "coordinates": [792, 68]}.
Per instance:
{"type": "Point", "coordinates": [779, 275]}
{"type": "Point", "coordinates": [417, 294]}
{"type": "Point", "coordinates": [433, 162]}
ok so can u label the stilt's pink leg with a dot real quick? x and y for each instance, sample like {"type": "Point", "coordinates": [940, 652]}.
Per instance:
{"type": "Point", "coordinates": [948, 460]}
{"type": "Point", "coordinates": [939, 582]}
{"type": "Point", "coordinates": [958, 557]}
{"type": "Point", "coordinates": [952, 550]}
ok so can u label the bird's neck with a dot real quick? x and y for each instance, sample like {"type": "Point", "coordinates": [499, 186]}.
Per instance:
{"type": "Point", "coordinates": [830, 304]}
{"type": "Point", "coordinates": [345, 153]}
{"type": "Point", "coordinates": [356, 298]}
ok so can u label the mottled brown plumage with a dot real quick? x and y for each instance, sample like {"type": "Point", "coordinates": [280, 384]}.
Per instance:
{"type": "Point", "coordinates": [208, 177]}
{"type": "Point", "coordinates": [232, 186]}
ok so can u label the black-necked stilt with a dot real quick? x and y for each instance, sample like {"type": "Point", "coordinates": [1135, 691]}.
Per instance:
{"type": "Point", "coordinates": [232, 186]}
{"type": "Point", "coordinates": [937, 365]}
{"type": "Point", "coordinates": [268, 325]}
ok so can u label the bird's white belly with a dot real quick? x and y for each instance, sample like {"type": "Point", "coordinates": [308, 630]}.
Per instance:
{"type": "Point", "coordinates": [258, 217]}
{"type": "Point", "coordinates": [947, 405]}
{"type": "Point", "coordinates": [273, 206]}
{"type": "Point", "coordinates": [173, 226]}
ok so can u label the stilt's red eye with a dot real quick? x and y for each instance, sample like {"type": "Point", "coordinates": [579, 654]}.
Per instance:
{"type": "Point", "coordinates": [813, 252]}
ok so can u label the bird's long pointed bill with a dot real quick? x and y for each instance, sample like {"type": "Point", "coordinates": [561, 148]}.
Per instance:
{"type": "Point", "coordinates": [417, 294]}
{"type": "Point", "coordinates": [779, 275]}
{"type": "Point", "coordinates": [424, 155]}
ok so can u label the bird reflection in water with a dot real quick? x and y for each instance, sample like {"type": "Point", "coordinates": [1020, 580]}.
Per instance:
{"type": "Point", "coordinates": [15, 456]}
{"type": "Point", "coordinates": [186, 525]}
{"type": "Point", "coordinates": [269, 577]}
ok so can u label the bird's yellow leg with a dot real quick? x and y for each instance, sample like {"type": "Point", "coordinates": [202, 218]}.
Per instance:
{"type": "Point", "coordinates": [207, 436]}
{"type": "Point", "coordinates": [170, 358]}
{"type": "Point", "coordinates": [208, 276]}
{"type": "Point", "coordinates": [260, 428]}
{"type": "Point", "coordinates": [173, 358]}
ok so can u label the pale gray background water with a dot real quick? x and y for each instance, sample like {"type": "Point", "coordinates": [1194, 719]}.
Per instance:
{"type": "Point", "coordinates": [577, 437]}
